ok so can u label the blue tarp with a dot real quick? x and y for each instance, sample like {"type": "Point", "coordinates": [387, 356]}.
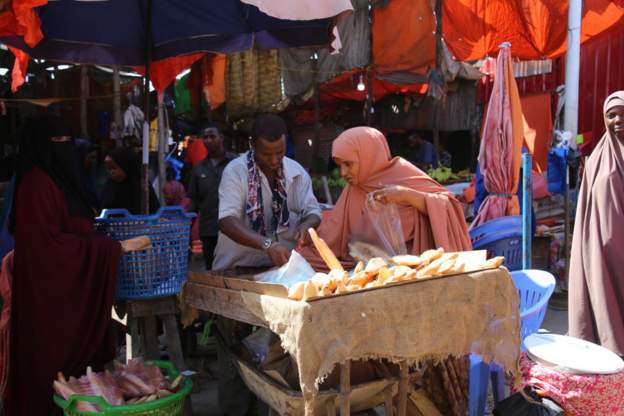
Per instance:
{"type": "Point", "coordinates": [113, 32]}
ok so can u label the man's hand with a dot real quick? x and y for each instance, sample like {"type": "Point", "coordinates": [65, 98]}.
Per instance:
{"type": "Point", "coordinates": [279, 254]}
{"type": "Point", "coordinates": [303, 236]}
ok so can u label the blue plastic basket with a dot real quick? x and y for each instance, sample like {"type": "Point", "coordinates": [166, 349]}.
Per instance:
{"type": "Point", "coordinates": [160, 270]}
{"type": "Point", "coordinates": [500, 237]}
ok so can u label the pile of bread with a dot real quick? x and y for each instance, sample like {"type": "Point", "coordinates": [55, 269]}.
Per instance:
{"type": "Point", "coordinates": [379, 271]}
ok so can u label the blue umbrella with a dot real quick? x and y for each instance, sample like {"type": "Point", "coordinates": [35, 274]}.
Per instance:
{"type": "Point", "coordinates": [136, 32]}
{"type": "Point", "coordinates": [115, 32]}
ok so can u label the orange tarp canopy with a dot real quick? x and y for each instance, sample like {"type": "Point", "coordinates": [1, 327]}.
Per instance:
{"type": "Point", "coordinates": [404, 40]}
{"type": "Point", "coordinates": [536, 29]}
{"type": "Point", "coordinates": [404, 36]}
{"type": "Point", "coordinates": [538, 128]}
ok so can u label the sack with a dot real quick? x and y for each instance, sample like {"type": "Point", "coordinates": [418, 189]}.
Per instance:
{"type": "Point", "coordinates": [386, 221]}
{"type": "Point", "coordinates": [518, 405]}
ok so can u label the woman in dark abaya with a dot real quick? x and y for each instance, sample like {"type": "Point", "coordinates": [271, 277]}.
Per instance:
{"type": "Point", "coordinates": [123, 189]}
{"type": "Point", "coordinates": [64, 274]}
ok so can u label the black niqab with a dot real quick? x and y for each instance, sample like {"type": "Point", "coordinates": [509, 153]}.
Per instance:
{"type": "Point", "coordinates": [58, 159]}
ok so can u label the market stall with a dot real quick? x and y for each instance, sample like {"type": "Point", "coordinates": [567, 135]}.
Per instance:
{"type": "Point", "coordinates": [405, 322]}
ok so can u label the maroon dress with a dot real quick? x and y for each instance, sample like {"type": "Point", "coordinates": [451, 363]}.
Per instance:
{"type": "Point", "coordinates": [63, 292]}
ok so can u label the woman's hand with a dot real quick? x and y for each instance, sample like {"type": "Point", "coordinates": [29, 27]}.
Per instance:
{"type": "Point", "coordinates": [401, 195]}
{"type": "Point", "coordinates": [392, 194]}
{"type": "Point", "coordinates": [135, 244]}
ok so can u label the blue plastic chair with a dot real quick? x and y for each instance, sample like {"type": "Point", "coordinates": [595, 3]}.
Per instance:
{"type": "Point", "coordinates": [500, 237]}
{"type": "Point", "coordinates": [535, 287]}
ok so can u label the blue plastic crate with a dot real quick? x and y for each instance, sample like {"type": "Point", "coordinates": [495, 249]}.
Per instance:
{"type": "Point", "coordinates": [160, 270]}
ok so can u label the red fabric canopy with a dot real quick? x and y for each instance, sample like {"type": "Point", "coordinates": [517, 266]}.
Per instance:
{"type": "Point", "coordinates": [344, 87]}
{"type": "Point", "coordinates": [474, 29]}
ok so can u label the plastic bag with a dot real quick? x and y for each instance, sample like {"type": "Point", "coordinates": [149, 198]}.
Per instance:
{"type": "Point", "coordinates": [386, 221]}
{"type": "Point", "coordinates": [296, 270]}
{"type": "Point", "coordinates": [259, 343]}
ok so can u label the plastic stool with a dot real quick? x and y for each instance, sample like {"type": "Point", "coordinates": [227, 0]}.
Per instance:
{"type": "Point", "coordinates": [535, 287]}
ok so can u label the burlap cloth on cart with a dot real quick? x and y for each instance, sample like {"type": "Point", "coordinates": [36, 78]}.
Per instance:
{"type": "Point", "coordinates": [431, 319]}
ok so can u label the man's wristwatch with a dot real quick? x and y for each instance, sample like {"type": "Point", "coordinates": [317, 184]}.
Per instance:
{"type": "Point", "coordinates": [266, 244]}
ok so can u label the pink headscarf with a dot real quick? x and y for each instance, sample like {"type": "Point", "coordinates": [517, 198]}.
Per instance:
{"type": "Point", "coordinates": [444, 226]}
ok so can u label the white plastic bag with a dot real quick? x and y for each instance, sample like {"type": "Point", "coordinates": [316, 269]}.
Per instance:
{"type": "Point", "coordinates": [296, 270]}
{"type": "Point", "coordinates": [386, 221]}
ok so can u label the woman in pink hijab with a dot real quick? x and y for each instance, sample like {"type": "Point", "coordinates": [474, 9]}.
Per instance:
{"type": "Point", "coordinates": [596, 285]}
{"type": "Point", "coordinates": [430, 216]}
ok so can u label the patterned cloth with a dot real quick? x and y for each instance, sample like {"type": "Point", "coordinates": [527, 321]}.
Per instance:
{"type": "Point", "coordinates": [577, 394]}
{"type": "Point", "coordinates": [254, 206]}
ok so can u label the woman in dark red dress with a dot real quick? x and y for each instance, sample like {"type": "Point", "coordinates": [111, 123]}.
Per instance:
{"type": "Point", "coordinates": [64, 274]}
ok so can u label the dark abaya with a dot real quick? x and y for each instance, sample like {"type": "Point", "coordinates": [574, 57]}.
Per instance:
{"type": "Point", "coordinates": [64, 276]}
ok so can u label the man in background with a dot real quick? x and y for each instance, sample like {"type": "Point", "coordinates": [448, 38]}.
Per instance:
{"type": "Point", "coordinates": [421, 152]}
{"type": "Point", "coordinates": [204, 188]}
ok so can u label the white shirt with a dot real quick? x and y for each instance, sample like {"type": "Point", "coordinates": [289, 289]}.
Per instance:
{"type": "Point", "coordinates": [232, 203]}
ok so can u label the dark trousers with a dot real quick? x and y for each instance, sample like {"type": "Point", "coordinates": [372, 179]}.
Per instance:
{"type": "Point", "coordinates": [209, 244]}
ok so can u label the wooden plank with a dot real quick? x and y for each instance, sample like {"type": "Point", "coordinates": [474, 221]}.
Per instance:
{"type": "Point", "coordinates": [152, 307]}
{"type": "Point", "coordinates": [331, 408]}
{"type": "Point", "coordinates": [345, 389]}
{"type": "Point", "coordinates": [207, 279]}
{"type": "Point", "coordinates": [174, 346]}
{"type": "Point", "coordinates": [152, 352]}
{"type": "Point", "coordinates": [403, 387]}
{"type": "Point", "coordinates": [224, 302]}
{"type": "Point", "coordinates": [270, 289]}
{"type": "Point", "coordinates": [232, 279]}
{"type": "Point", "coordinates": [389, 406]}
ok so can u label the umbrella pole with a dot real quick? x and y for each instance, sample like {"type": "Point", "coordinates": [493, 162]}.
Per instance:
{"type": "Point", "coordinates": [570, 115]}
{"type": "Point", "coordinates": [527, 201]}
{"type": "Point", "coordinates": [84, 93]}
{"type": "Point", "coordinates": [162, 147]}
{"type": "Point", "coordinates": [146, 125]}
{"type": "Point", "coordinates": [437, 104]}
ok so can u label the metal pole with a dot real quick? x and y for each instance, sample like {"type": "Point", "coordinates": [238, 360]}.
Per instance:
{"type": "Point", "coordinates": [162, 148]}
{"type": "Point", "coordinates": [146, 94]}
{"type": "Point", "coordinates": [117, 99]}
{"type": "Point", "coordinates": [527, 202]}
{"type": "Point", "coordinates": [437, 104]}
{"type": "Point", "coordinates": [570, 111]}
{"type": "Point", "coordinates": [84, 93]}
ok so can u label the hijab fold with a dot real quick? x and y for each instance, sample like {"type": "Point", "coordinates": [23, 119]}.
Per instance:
{"type": "Point", "coordinates": [444, 226]}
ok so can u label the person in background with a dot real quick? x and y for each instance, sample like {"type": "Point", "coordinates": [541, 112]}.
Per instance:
{"type": "Point", "coordinates": [175, 194]}
{"type": "Point", "coordinates": [87, 155]}
{"type": "Point", "coordinates": [266, 206]}
{"type": "Point", "coordinates": [64, 274]}
{"type": "Point", "coordinates": [204, 188]}
{"type": "Point", "coordinates": [446, 159]}
{"type": "Point", "coordinates": [422, 153]}
{"type": "Point", "coordinates": [596, 287]}
{"type": "Point", "coordinates": [123, 189]}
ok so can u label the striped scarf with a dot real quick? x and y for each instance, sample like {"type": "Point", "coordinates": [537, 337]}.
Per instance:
{"type": "Point", "coordinates": [255, 206]}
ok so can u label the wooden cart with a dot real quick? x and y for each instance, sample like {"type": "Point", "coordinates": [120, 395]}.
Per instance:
{"type": "Point", "coordinates": [224, 294]}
